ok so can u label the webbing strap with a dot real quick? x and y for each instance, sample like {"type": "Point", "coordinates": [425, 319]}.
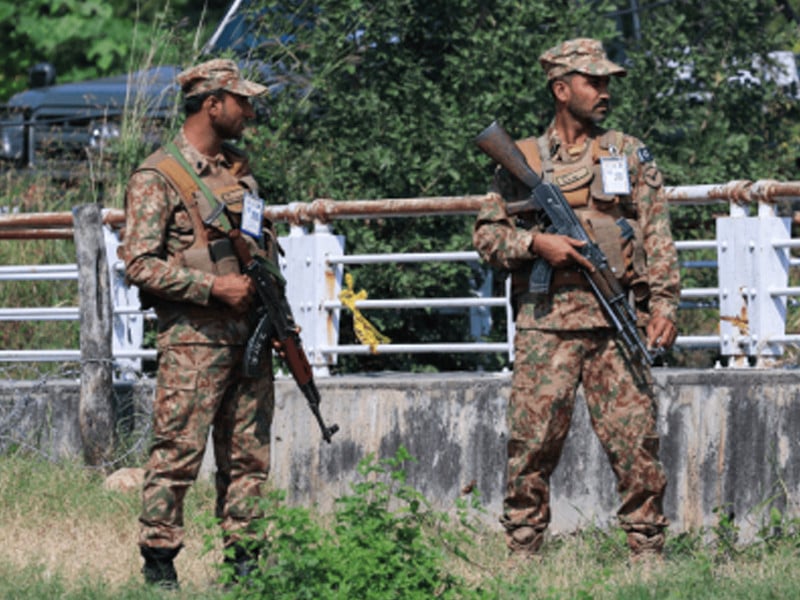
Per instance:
{"type": "Point", "coordinates": [186, 187]}
{"type": "Point", "coordinates": [217, 209]}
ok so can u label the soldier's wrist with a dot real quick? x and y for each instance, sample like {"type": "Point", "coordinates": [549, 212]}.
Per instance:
{"type": "Point", "coordinates": [532, 244]}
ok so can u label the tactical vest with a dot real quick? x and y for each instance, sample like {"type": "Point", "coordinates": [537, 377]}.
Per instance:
{"type": "Point", "coordinates": [610, 220]}
{"type": "Point", "coordinates": [210, 251]}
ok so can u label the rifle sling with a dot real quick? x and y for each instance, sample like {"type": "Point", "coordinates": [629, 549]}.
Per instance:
{"type": "Point", "coordinates": [186, 187]}
{"type": "Point", "coordinates": [218, 212]}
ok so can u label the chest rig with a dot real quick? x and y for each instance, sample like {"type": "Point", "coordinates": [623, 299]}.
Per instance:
{"type": "Point", "coordinates": [610, 220]}
{"type": "Point", "coordinates": [213, 207]}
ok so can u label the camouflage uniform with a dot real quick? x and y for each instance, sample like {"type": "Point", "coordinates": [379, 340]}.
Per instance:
{"type": "Point", "coordinates": [563, 336]}
{"type": "Point", "coordinates": [200, 341]}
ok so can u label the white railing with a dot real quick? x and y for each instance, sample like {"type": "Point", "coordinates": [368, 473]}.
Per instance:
{"type": "Point", "coordinates": [753, 263]}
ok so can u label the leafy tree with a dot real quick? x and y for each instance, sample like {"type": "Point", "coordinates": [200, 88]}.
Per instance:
{"type": "Point", "coordinates": [383, 99]}
{"type": "Point", "coordinates": [84, 39]}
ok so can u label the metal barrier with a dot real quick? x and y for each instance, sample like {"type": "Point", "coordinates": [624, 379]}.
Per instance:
{"type": "Point", "coordinates": [753, 263]}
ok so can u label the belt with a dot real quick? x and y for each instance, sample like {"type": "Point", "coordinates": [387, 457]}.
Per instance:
{"type": "Point", "coordinates": [167, 310]}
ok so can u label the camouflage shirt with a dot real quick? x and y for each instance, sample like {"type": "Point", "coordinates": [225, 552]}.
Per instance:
{"type": "Point", "coordinates": [506, 245]}
{"type": "Point", "coordinates": [158, 228]}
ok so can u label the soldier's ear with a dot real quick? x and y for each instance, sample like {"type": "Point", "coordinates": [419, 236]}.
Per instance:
{"type": "Point", "coordinates": [213, 102]}
{"type": "Point", "coordinates": [560, 89]}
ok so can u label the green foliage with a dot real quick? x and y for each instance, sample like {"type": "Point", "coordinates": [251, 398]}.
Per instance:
{"type": "Point", "coordinates": [84, 39]}
{"type": "Point", "coordinates": [384, 543]}
{"type": "Point", "coordinates": [382, 100]}
{"type": "Point", "coordinates": [40, 500]}
{"type": "Point", "coordinates": [685, 96]}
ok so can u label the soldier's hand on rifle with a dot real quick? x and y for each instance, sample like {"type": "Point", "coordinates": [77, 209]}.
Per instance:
{"type": "Point", "coordinates": [560, 250]}
{"type": "Point", "coordinates": [237, 291]}
{"type": "Point", "coordinates": [661, 333]}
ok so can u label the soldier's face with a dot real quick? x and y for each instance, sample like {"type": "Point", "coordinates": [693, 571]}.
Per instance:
{"type": "Point", "coordinates": [231, 116]}
{"type": "Point", "coordinates": [587, 97]}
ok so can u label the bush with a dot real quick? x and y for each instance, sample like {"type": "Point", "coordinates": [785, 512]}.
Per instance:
{"type": "Point", "coordinates": [385, 543]}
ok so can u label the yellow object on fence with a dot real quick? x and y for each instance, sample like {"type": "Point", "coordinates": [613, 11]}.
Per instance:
{"type": "Point", "coordinates": [366, 333]}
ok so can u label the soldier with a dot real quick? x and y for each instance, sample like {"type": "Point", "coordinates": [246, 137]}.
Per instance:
{"type": "Point", "coordinates": [180, 205]}
{"type": "Point", "coordinates": [563, 337]}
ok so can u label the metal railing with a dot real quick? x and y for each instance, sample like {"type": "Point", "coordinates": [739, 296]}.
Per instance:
{"type": "Point", "coordinates": [753, 261]}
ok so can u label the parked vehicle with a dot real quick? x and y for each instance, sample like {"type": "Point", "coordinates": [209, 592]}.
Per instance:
{"type": "Point", "coordinates": [65, 127]}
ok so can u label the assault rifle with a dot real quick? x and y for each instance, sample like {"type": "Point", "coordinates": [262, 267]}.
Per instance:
{"type": "Point", "coordinates": [497, 143]}
{"type": "Point", "coordinates": [276, 323]}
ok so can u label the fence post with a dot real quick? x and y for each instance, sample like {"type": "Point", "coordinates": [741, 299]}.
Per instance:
{"type": "Point", "coordinates": [768, 312]}
{"type": "Point", "coordinates": [749, 265]}
{"type": "Point", "coordinates": [96, 408]}
{"type": "Point", "coordinates": [310, 281]}
{"type": "Point", "coordinates": [128, 327]}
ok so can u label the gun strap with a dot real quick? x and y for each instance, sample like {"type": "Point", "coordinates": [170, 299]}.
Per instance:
{"type": "Point", "coordinates": [218, 209]}
{"type": "Point", "coordinates": [186, 186]}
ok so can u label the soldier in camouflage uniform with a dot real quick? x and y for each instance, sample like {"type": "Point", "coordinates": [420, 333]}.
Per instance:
{"type": "Point", "coordinates": [563, 337]}
{"type": "Point", "coordinates": [180, 205]}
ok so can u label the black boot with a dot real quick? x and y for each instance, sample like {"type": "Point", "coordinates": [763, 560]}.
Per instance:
{"type": "Point", "coordinates": [158, 567]}
{"type": "Point", "coordinates": [243, 560]}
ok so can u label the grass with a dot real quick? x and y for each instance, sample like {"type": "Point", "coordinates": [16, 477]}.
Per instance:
{"type": "Point", "coordinates": [63, 536]}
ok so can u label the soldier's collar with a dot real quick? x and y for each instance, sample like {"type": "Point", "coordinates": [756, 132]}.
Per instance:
{"type": "Point", "coordinates": [554, 142]}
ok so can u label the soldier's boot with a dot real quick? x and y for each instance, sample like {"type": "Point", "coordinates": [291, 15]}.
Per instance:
{"type": "Point", "coordinates": [524, 542]}
{"type": "Point", "coordinates": [159, 569]}
{"type": "Point", "coordinates": [646, 547]}
{"type": "Point", "coordinates": [243, 560]}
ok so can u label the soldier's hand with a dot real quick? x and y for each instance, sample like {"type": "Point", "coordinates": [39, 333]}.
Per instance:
{"type": "Point", "coordinates": [236, 291]}
{"type": "Point", "coordinates": [661, 333]}
{"type": "Point", "coordinates": [560, 250]}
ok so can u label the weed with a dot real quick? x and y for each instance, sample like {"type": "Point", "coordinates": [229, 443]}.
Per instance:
{"type": "Point", "coordinates": [385, 542]}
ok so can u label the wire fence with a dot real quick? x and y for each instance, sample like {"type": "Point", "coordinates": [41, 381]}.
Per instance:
{"type": "Point", "coordinates": [753, 263]}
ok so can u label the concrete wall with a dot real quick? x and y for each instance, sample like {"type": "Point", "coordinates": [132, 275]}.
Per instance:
{"type": "Point", "coordinates": [729, 441]}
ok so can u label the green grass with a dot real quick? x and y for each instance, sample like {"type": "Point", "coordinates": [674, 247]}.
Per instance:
{"type": "Point", "coordinates": [63, 536]}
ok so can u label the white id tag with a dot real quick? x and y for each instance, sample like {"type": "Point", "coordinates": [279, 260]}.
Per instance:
{"type": "Point", "coordinates": [252, 214]}
{"type": "Point", "coordinates": [614, 170]}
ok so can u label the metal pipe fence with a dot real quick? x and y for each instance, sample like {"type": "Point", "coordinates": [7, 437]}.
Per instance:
{"type": "Point", "coordinates": [752, 264]}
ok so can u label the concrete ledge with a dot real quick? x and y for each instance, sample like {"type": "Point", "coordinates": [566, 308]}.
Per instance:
{"type": "Point", "coordinates": [729, 440]}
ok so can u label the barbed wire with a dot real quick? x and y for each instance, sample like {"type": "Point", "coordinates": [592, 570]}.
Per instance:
{"type": "Point", "coordinates": [34, 420]}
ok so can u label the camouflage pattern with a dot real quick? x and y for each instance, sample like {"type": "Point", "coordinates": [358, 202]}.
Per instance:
{"type": "Point", "coordinates": [199, 387]}
{"type": "Point", "coordinates": [581, 55]}
{"type": "Point", "coordinates": [563, 339]}
{"type": "Point", "coordinates": [548, 366]}
{"type": "Point", "coordinates": [200, 348]}
{"type": "Point", "coordinates": [217, 74]}
{"type": "Point", "coordinates": [508, 247]}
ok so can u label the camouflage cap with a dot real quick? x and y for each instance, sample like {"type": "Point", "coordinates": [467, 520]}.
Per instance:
{"type": "Point", "coordinates": [582, 55]}
{"type": "Point", "coordinates": [217, 74]}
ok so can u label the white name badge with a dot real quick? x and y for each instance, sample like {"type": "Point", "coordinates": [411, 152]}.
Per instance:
{"type": "Point", "coordinates": [614, 171]}
{"type": "Point", "coordinates": [252, 214]}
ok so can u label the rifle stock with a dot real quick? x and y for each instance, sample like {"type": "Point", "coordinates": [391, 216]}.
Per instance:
{"type": "Point", "coordinates": [498, 145]}
{"type": "Point", "coordinates": [276, 323]}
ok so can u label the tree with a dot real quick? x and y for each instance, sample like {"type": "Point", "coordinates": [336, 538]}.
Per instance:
{"type": "Point", "coordinates": [85, 39]}
{"type": "Point", "coordinates": [383, 99]}
{"type": "Point", "coordinates": [386, 100]}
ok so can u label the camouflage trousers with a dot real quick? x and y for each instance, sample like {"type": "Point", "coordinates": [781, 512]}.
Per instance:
{"type": "Point", "coordinates": [548, 367]}
{"type": "Point", "coordinates": [200, 387]}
